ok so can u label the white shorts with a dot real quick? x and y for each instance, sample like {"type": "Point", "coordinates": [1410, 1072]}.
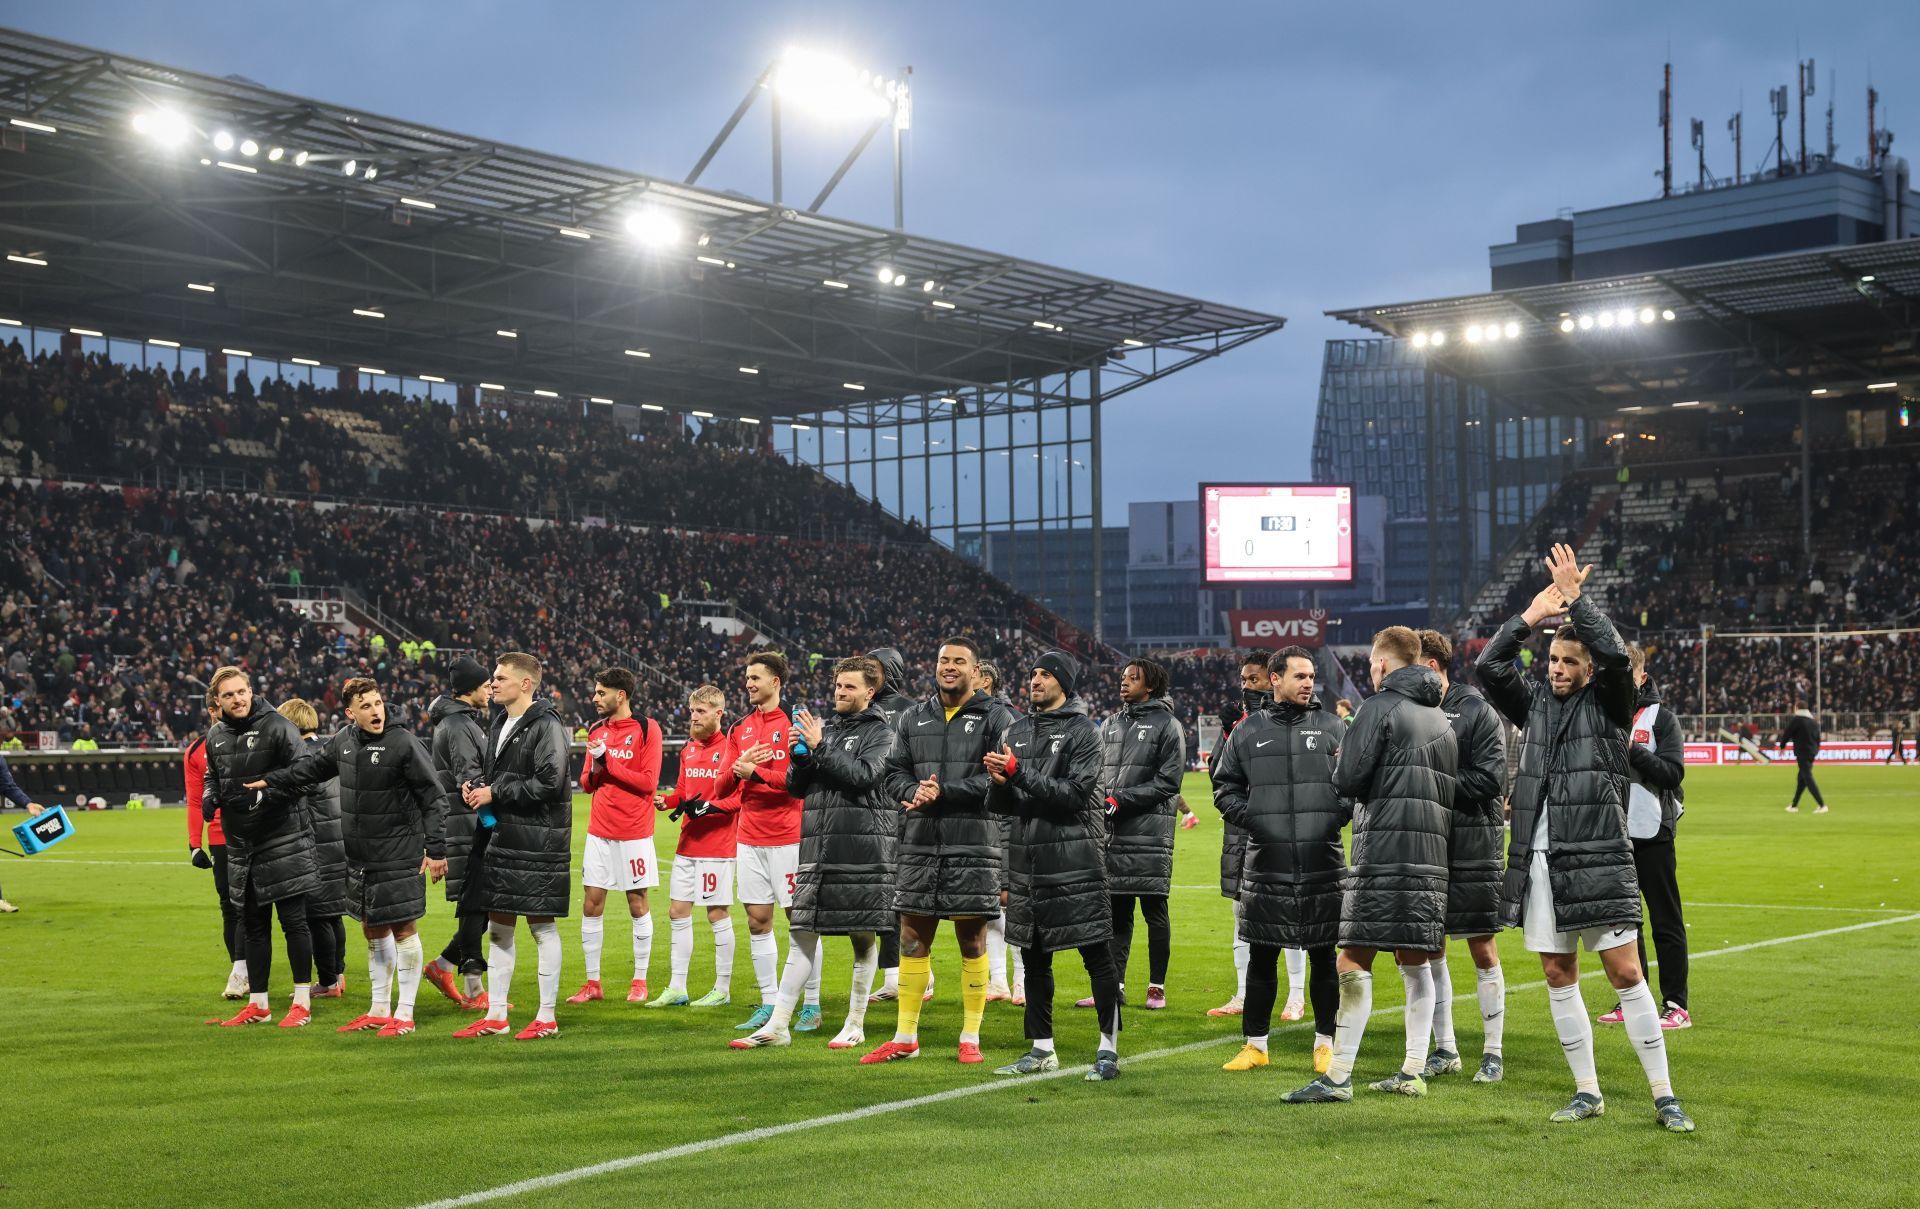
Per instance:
{"type": "Point", "coordinates": [619, 864]}
{"type": "Point", "coordinates": [1538, 931]}
{"type": "Point", "coordinates": [767, 874]}
{"type": "Point", "coordinates": [702, 881]}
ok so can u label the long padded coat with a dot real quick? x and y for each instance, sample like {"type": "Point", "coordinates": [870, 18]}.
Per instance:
{"type": "Point", "coordinates": [459, 748]}
{"type": "Point", "coordinates": [1275, 781]}
{"type": "Point", "coordinates": [392, 812]}
{"type": "Point", "coordinates": [269, 842]}
{"type": "Point", "coordinates": [1143, 754]}
{"type": "Point", "coordinates": [1475, 864]}
{"type": "Point", "coordinates": [848, 828]}
{"type": "Point", "coordinates": [528, 866]}
{"type": "Point", "coordinates": [948, 860]}
{"type": "Point", "coordinates": [1573, 765]}
{"type": "Point", "coordinates": [1397, 766]}
{"type": "Point", "coordinates": [329, 844]}
{"type": "Point", "coordinates": [1057, 892]}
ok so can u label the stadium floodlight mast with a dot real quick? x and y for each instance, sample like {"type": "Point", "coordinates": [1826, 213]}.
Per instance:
{"type": "Point", "coordinates": [830, 90]}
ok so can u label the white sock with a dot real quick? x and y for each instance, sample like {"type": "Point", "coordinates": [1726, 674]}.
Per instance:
{"type": "Point", "coordinates": [1443, 1037]}
{"type": "Point", "coordinates": [1491, 986]}
{"type": "Point", "coordinates": [1356, 1004]}
{"type": "Point", "coordinates": [259, 1000]}
{"type": "Point", "coordinates": [1419, 1015]}
{"type": "Point", "coordinates": [1642, 1019]}
{"type": "Point", "coordinates": [1110, 1043]}
{"type": "Point", "coordinates": [1242, 954]}
{"type": "Point", "coordinates": [642, 945]}
{"type": "Point", "coordinates": [890, 981]}
{"type": "Point", "coordinates": [765, 952]}
{"type": "Point", "coordinates": [680, 952]}
{"type": "Point", "coordinates": [863, 967]}
{"type": "Point", "coordinates": [593, 932]}
{"type": "Point", "coordinates": [546, 942]}
{"type": "Point", "coordinates": [723, 954]}
{"type": "Point", "coordinates": [803, 951]}
{"type": "Point", "coordinates": [1019, 962]}
{"type": "Point", "coordinates": [409, 957]}
{"type": "Point", "coordinates": [1296, 973]}
{"type": "Point", "coordinates": [997, 950]}
{"type": "Point", "coordinates": [500, 938]}
{"type": "Point", "coordinates": [1259, 1043]}
{"type": "Point", "coordinates": [240, 967]}
{"type": "Point", "coordinates": [813, 979]}
{"type": "Point", "coordinates": [1043, 1045]}
{"type": "Point", "coordinates": [1576, 1035]}
{"type": "Point", "coordinates": [475, 983]}
{"type": "Point", "coordinates": [303, 994]}
{"type": "Point", "coordinates": [1321, 1039]}
{"type": "Point", "coordinates": [380, 963]}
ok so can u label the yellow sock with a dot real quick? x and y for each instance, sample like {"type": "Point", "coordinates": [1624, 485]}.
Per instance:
{"type": "Point", "coordinates": [973, 996]}
{"type": "Point", "coordinates": [914, 974]}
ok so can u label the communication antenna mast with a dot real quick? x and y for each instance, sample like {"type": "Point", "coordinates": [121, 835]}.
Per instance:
{"type": "Point", "coordinates": [1733, 126]}
{"type": "Point", "coordinates": [1778, 98]}
{"type": "Point", "coordinates": [1873, 133]}
{"type": "Point", "coordinates": [1666, 132]}
{"type": "Point", "coordinates": [1833, 81]}
{"type": "Point", "coordinates": [1806, 90]}
{"type": "Point", "coordinates": [1700, 149]}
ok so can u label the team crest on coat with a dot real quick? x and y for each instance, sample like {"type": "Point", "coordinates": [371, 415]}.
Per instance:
{"type": "Point", "coordinates": [376, 755]}
{"type": "Point", "coordinates": [969, 725]}
{"type": "Point", "coordinates": [1313, 743]}
{"type": "Point", "coordinates": [250, 739]}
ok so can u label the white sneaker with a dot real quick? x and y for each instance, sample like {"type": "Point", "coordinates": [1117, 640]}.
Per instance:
{"type": "Point", "coordinates": [764, 1037]}
{"type": "Point", "coordinates": [849, 1036]}
{"type": "Point", "coordinates": [1821, 809]}
{"type": "Point", "coordinates": [1295, 1009]}
{"type": "Point", "coordinates": [7, 908]}
{"type": "Point", "coordinates": [236, 985]}
{"type": "Point", "coordinates": [998, 991]}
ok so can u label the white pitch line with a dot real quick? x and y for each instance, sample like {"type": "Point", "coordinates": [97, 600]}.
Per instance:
{"type": "Point", "coordinates": [724, 1141]}
{"type": "Point", "coordinates": [1786, 907]}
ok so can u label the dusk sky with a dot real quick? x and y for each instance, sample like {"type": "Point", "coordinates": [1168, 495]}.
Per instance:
{"type": "Point", "coordinates": [1286, 157]}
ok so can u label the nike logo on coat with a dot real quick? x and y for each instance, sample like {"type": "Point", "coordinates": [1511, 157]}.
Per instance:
{"type": "Point", "coordinates": [923, 721]}
{"type": "Point", "coordinates": [1263, 742]}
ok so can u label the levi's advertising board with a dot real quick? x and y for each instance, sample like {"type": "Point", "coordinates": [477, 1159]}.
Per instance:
{"type": "Point", "coordinates": [1293, 533]}
{"type": "Point", "coordinates": [1838, 752]}
{"type": "Point", "coordinates": [1277, 627]}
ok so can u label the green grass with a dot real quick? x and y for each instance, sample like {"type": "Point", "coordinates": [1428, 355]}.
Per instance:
{"type": "Point", "coordinates": [1802, 1069]}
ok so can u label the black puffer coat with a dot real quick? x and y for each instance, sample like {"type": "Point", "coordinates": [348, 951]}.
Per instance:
{"type": "Point", "coordinates": [948, 862]}
{"type": "Point", "coordinates": [528, 867]}
{"type": "Point", "coordinates": [848, 829]}
{"type": "Point", "coordinates": [1577, 747]}
{"type": "Point", "coordinates": [460, 755]}
{"type": "Point", "coordinates": [1233, 841]}
{"type": "Point", "coordinates": [268, 840]}
{"type": "Point", "coordinates": [392, 812]}
{"type": "Point", "coordinates": [1143, 752]}
{"type": "Point", "coordinates": [329, 846]}
{"type": "Point", "coordinates": [1275, 780]}
{"type": "Point", "coordinates": [1475, 864]}
{"type": "Point", "coordinates": [1397, 766]}
{"type": "Point", "coordinates": [1058, 893]}
{"type": "Point", "coordinates": [892, 700]}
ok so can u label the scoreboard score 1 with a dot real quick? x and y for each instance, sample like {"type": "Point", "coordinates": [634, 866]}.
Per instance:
{"type": "Point", "coordinates": [1292, 533]}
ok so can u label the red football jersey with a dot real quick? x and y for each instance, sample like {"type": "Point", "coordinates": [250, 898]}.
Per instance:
{"type": "Point", "coordinates": [769, 815]}
{"type": "Point", "coordinates": [623, 780]}
{"type": "Point", "coordinates": [709, 837]}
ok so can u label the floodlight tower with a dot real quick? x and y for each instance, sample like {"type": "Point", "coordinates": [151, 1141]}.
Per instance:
{"type": "Point", "coordinates": [829, 90]}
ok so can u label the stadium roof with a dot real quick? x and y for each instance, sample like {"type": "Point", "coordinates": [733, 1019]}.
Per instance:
{"type": "Point", "coordinates": [1747, 332]}
{"type": "Point", "coordinates": [478, 261]}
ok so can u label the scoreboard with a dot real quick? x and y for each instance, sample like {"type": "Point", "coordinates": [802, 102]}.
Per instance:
{"type": "Point", "coordinates": [1273, 533]}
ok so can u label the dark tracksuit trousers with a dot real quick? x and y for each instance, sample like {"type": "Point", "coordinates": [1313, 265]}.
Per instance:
{"type": "Point", "coordinates": [1660, 886]}
{"type": "Point", "coordinates": [1806, 783]}
{"type": "Point", "coordinates": [257, 918]}
{"type": "Point", "coordinates": [1263, 987]}
{"type": "Point", "coordinates": [1098, 958]}
{"type": "Point", "coordinates": [1159, 934]}
{"type": "Point", "coordinates": [230, 929]}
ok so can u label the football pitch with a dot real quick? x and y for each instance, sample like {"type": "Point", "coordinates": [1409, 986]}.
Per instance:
{"type": "Point", "coordinates": [1803, 1068]}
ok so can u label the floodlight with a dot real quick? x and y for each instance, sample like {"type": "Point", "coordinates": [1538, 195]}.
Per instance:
{"type": "Point", "coordinates": [1566, 325]}
{"type": "Point", "coordinates": [1667, 314]}
{"type": "Point", "coordinates": [28, 124]}
{"type": "Point", "coordinates": [655, 228]}
{"type": "Point", "coordinates": [1606, 318]}
{"type": "Point", "coordinates": [168, 127]}
{"type": "Point", "coordinates": [274, 155]}
{"type": "Point", "coordinates": [885, 274]}
{"type": "Point", "coordinates": [927, 287]}
{"type": "Point", "coordinates": [1646, 314]}
{"type": "Point", "coordinates": [830, 89]}
{"type": "Point", "coordinates": [249, 147]}
{"type": "Point", "coordinates": [351, 167]}
{"type": "Point", "coordinates": [1473, 333]}
{"type": "Point", "coordinates": [223, 141]}
{"type": "Point", "coordinates": [1586, 323]}
{"type": "Point", "coordinates": [1625, 317]}
{"type": "Point", "coordinates": [1419, 340]}
{"type": "Point", "coordinates": [1438, 339]}
{"type": "Point", "coordinates": [1512, 330]}
{"type": "Point", "coordinates": [299, 159]}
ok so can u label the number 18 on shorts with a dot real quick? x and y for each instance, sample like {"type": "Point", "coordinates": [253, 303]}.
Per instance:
{"type": "Point", "coordinates": [619, 864]}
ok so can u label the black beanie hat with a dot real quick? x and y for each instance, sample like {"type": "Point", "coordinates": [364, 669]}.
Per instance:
{"type": "Point", "coordinates": [1062, 667]}
{"type": "Point", "coordinates": [465, 675]}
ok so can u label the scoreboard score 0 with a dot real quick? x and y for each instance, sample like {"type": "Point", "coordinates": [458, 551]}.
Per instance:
{"type": "Point", "coordinates": [1291, 533]}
